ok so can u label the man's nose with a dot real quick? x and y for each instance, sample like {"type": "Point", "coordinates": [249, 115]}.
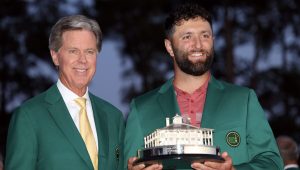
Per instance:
{"type": "Point", "coordinates": [198, 42]}
{"type": "Point", "coordinates": [82, 57]}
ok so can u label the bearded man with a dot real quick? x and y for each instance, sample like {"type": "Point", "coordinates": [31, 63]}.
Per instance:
{"type": "Point", "coordinates": [232, 111]}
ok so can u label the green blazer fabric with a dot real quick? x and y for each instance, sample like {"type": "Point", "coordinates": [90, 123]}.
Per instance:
{"type": "Point", "coordinates": [228, 109]}
{"type": "Point", "coordinates": [43, 136]}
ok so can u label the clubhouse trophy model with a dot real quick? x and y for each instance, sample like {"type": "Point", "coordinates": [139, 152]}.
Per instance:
{"type": "Point", "coordinates": [178, 145]}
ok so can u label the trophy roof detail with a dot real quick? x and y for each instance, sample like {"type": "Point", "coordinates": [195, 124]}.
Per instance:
{"type": "Point", "coordinates": [177, 119]}
{"type": "Point", "coordinates": [179, 122]}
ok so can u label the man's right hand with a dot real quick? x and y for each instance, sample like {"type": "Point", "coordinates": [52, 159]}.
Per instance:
{"type": "Point", "coordinates": [142, 166]}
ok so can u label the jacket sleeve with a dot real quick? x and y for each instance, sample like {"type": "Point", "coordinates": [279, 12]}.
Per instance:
{"type": "Point", "coordinates": [262, 147]}
{"type": "Point", "coordinates": [134, 138]}
{"type": "Point", "coordinates": [21, 148]}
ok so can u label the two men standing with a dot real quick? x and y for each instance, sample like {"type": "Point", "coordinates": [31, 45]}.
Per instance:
{"type": "Point", "coordinates": [46, 132]}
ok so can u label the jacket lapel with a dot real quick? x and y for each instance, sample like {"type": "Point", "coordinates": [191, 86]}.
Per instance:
{"type": "Point", "coordinates": [213, 100]}
{"type": "Point", "coordinates": [167, 99]}
{"type": "Point", "coordinates": [100, 118]}
{"type": "Point", "coordinates": [61, 116]}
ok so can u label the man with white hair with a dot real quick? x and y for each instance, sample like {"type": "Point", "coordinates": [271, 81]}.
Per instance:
{"type": "Point", "coordinates": [289, 152]}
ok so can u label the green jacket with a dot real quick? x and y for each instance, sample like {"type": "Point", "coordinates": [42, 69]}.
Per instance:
{"type": "Point", "coordinates": [43, 136]}
{"type": "Point", "coordinates": [228, 109]}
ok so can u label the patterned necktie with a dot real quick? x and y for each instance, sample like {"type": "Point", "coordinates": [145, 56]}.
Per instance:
{"type": "Point", "coordinates": [86, 132]}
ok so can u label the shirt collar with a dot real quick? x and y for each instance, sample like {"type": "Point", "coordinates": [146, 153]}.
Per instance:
{"type": "Point", "coordinates": [291, 166]}
{"type": "Point", "coordinates": [202, 89]}
{"type": "Point", "coordinates": [67, 94]}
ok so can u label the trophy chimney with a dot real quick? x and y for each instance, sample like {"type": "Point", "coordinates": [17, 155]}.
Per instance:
{"type": "Point", "coordinates": [167, 121]}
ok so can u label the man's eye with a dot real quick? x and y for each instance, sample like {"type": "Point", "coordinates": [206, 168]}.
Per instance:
{"type": "Point", "coordinates": [73, 51]}
{"type": "Point", "coordinates": [91, 52]}
{"type": "Point", "coordinates": [186, 37]}
{"type": "Point", "coordinates": [206, 36]}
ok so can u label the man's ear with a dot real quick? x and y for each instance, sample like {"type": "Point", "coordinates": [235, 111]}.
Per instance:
{"type": "Point", "coordinates": [169, 47]}
{"type": "Point", "coordinates": [54, 56]}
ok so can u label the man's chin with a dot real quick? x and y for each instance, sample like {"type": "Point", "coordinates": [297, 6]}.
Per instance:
{"type": "Point", "coordinates": [197, 73]}
{"type": "Point", "coordinates": [197, 62]}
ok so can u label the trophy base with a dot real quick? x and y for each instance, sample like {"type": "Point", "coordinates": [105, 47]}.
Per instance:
{"type": "Point", "coordinates": [177, 156]}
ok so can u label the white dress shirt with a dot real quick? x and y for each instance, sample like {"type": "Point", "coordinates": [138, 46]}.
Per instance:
{"type": "Point", "coordinates": [291, 166]}
{"type": "Point", "coordinates": [74, 109]}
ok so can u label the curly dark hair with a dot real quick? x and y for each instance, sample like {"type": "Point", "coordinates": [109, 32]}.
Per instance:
{"type": "Point", "coordinates": [185, 12]}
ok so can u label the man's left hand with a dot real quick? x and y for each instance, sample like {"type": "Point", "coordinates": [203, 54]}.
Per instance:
{"type": "Point", "coordinates": [208, 165]}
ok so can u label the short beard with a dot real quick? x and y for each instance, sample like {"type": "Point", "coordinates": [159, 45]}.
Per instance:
{"type": "Point", "coordinates": [195, 69]}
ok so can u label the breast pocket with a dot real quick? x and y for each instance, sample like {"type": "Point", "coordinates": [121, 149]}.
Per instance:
{"type": "Point", "coordinates": [233, 140]}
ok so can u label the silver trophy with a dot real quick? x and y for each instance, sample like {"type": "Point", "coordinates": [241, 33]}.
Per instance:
{"type": "Point", "coordinates": [178, 145]}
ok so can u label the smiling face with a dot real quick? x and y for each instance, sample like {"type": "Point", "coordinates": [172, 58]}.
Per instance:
{"type": "Point", "coordinates": [191, 46]}
{"type": "Point", "coordinates": [76, 59]}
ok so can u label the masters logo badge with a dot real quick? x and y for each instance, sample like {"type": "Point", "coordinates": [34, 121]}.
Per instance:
{"type": "Point", "coordinates": [233, 139]}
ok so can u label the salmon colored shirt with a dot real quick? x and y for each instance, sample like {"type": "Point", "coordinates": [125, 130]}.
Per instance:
{"type": "Point", "coordinates": [191, 105]}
